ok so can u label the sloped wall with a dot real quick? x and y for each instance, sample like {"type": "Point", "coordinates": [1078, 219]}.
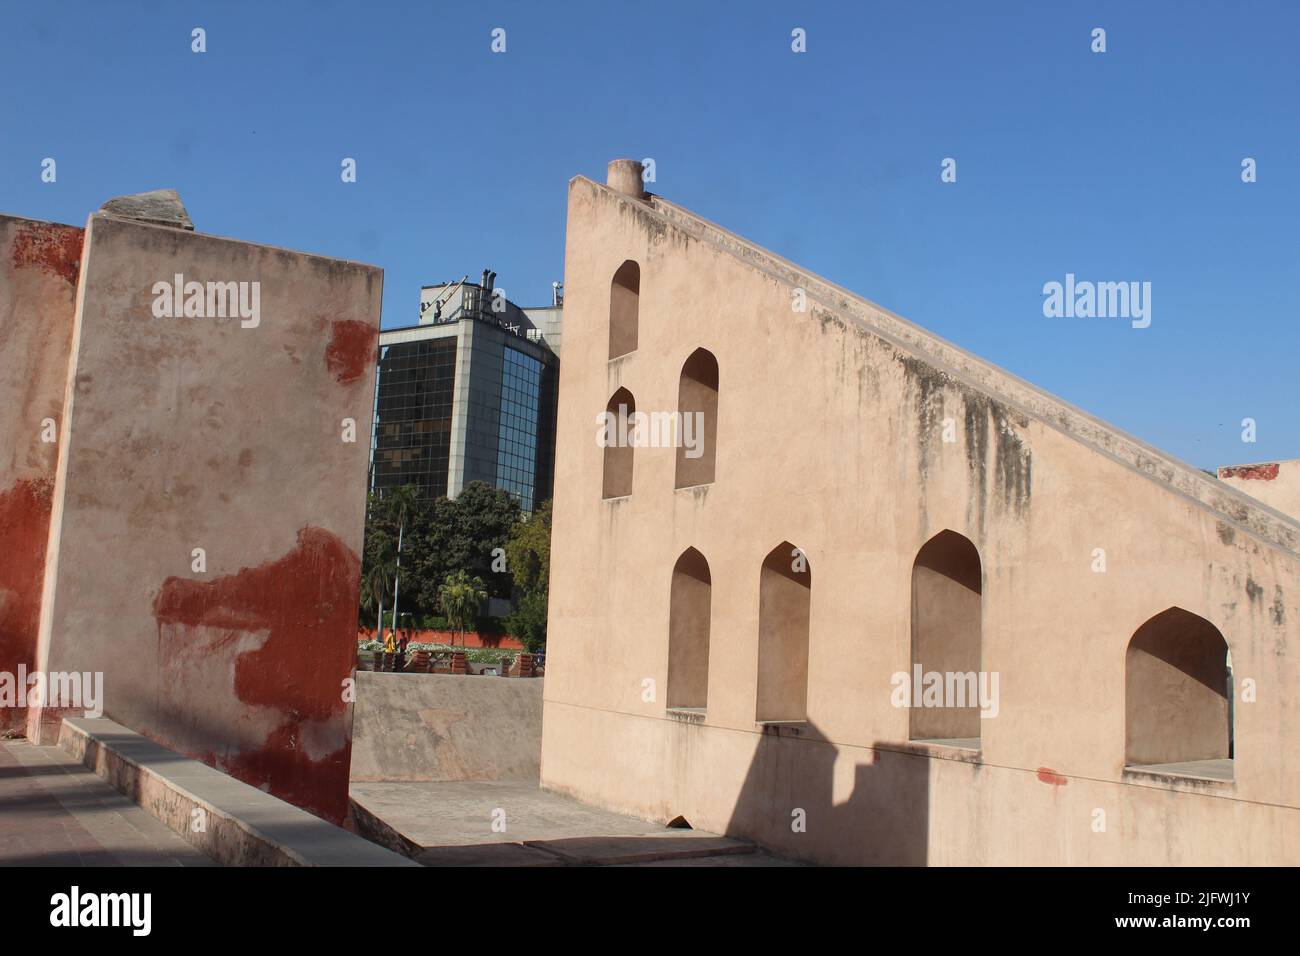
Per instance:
{"type": "Point", "coordinates": [39, 262]}
{"type": "Point", "coordinates": [208, 507]}
{"type": "Point", "coordinates": [834, 436]}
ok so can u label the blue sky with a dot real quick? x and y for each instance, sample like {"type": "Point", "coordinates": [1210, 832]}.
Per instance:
{"type": "Point", "coordinates": [1122, 166]}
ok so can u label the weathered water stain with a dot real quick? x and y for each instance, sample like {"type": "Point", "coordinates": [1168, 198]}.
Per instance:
{"type": "Point", "coordinates": [1012, 465]}
{"type": "Point", "coordinates": [1254, 591]}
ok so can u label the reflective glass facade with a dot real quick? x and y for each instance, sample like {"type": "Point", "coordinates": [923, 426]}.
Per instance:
{"type": "Point", "coordinates": [517, 436]}
{"type": "Point", "coordinates": [412, 437]}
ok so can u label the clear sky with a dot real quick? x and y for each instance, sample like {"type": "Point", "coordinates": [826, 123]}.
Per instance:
{"type": "Point", "coordinates": [1115, 166]}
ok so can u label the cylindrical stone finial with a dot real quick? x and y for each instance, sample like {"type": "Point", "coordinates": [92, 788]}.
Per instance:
{"type": "Point", "coordinates": [625, 177]}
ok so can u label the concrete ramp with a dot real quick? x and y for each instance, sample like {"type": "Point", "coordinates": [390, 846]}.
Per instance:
{"type": "Point", "coordinates": [445, 771]}
{"type": "Point", "coordinates": [443, 727]}
{"type": "Point", "coordinates": [501, 823]}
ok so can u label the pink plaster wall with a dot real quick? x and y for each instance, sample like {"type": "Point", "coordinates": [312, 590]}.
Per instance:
{"type": "Point", "coordinates": [188, 433]}
{"type": "Point", "coordinates": [38, 283]}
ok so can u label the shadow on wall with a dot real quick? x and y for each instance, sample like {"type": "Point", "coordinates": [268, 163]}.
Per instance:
{"type": "Point", "coordinates": [787, 802]}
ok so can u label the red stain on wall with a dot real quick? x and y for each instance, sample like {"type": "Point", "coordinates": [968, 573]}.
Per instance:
{"type": "Point", "coordinates": [307, 603]}
{"type": "Point", "coordinates": [294, 776]}
{"type": "Point", "coordinates": [351, 352]}
{"type": "Point", "coordinates": [24, 528]}
{"type": "Point", "coordinates": [50, 247]}
{"type": "Point", "coordinates": [1265, 472]}
{"type": "Point", "coordinates": [1050, 776]}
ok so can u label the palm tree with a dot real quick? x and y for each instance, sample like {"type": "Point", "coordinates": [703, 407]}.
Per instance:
{"type": "Point", "coordinates": [402, 505]}
{"type": "Point", "coordinates": [375, 586]}
{"type": "Point", "coordinates": [460, 597]}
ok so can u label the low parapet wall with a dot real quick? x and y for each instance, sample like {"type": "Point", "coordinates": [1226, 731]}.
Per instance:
{"type": "Point", "coordinates": [409, 727]}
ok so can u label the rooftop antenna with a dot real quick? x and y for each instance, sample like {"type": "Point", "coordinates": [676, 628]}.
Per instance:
{"type": "Point", "coordinates": [439, 302]}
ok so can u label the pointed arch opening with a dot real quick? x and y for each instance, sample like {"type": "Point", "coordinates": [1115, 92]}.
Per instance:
{"type": "Point", "coordinates": [1178, 697]}
{"type": "Point", "coordinates": [624, 308]}
{"type": "Point", "coordinates": [946, 681]}
{"type": "Point", "coordinates": [618, 434]}
{"type": "Point", "coordinates": [697, 406]}
{"type": "Point", "coordinates": [784, 613]}
{"type": "Point", "coordinates": [690, 606]}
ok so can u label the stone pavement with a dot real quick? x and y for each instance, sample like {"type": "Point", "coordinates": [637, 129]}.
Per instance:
{"type": "Point", "coordinates": [55, 812]}
{"type": "Point", "coordinates": [450, 823]}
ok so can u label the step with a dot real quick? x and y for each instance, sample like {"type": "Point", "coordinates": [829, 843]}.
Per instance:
{"type": "Point", "coordinates": [241, 825]}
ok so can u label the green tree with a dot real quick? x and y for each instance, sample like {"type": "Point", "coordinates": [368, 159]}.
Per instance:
{"type": "Point", "coordinates": [438, 538]}
{"type": "Point", "coordinates": [527, 621]}
{"type": "Point", "coordinates": [378, 562]}
{"type": "Point", "coordinates": [461, 534]}
{"type": "Point", "coordinates": [395, 516]}
{"type": "Point", "coordinates": [376, 585]}
{"type": "Point", "coordinates": [528, 553]}
{"type": "Point", "coordinates": [460, 597]}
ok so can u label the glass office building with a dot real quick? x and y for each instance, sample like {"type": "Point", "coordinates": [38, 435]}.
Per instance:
{"type": "Point", "coordinates": [469, 394]}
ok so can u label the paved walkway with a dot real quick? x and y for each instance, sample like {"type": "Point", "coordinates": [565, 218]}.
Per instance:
{"type": "Point", "coordinates": [460, 823]}
{"type": "Point", "coordinates": [56, 812]}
